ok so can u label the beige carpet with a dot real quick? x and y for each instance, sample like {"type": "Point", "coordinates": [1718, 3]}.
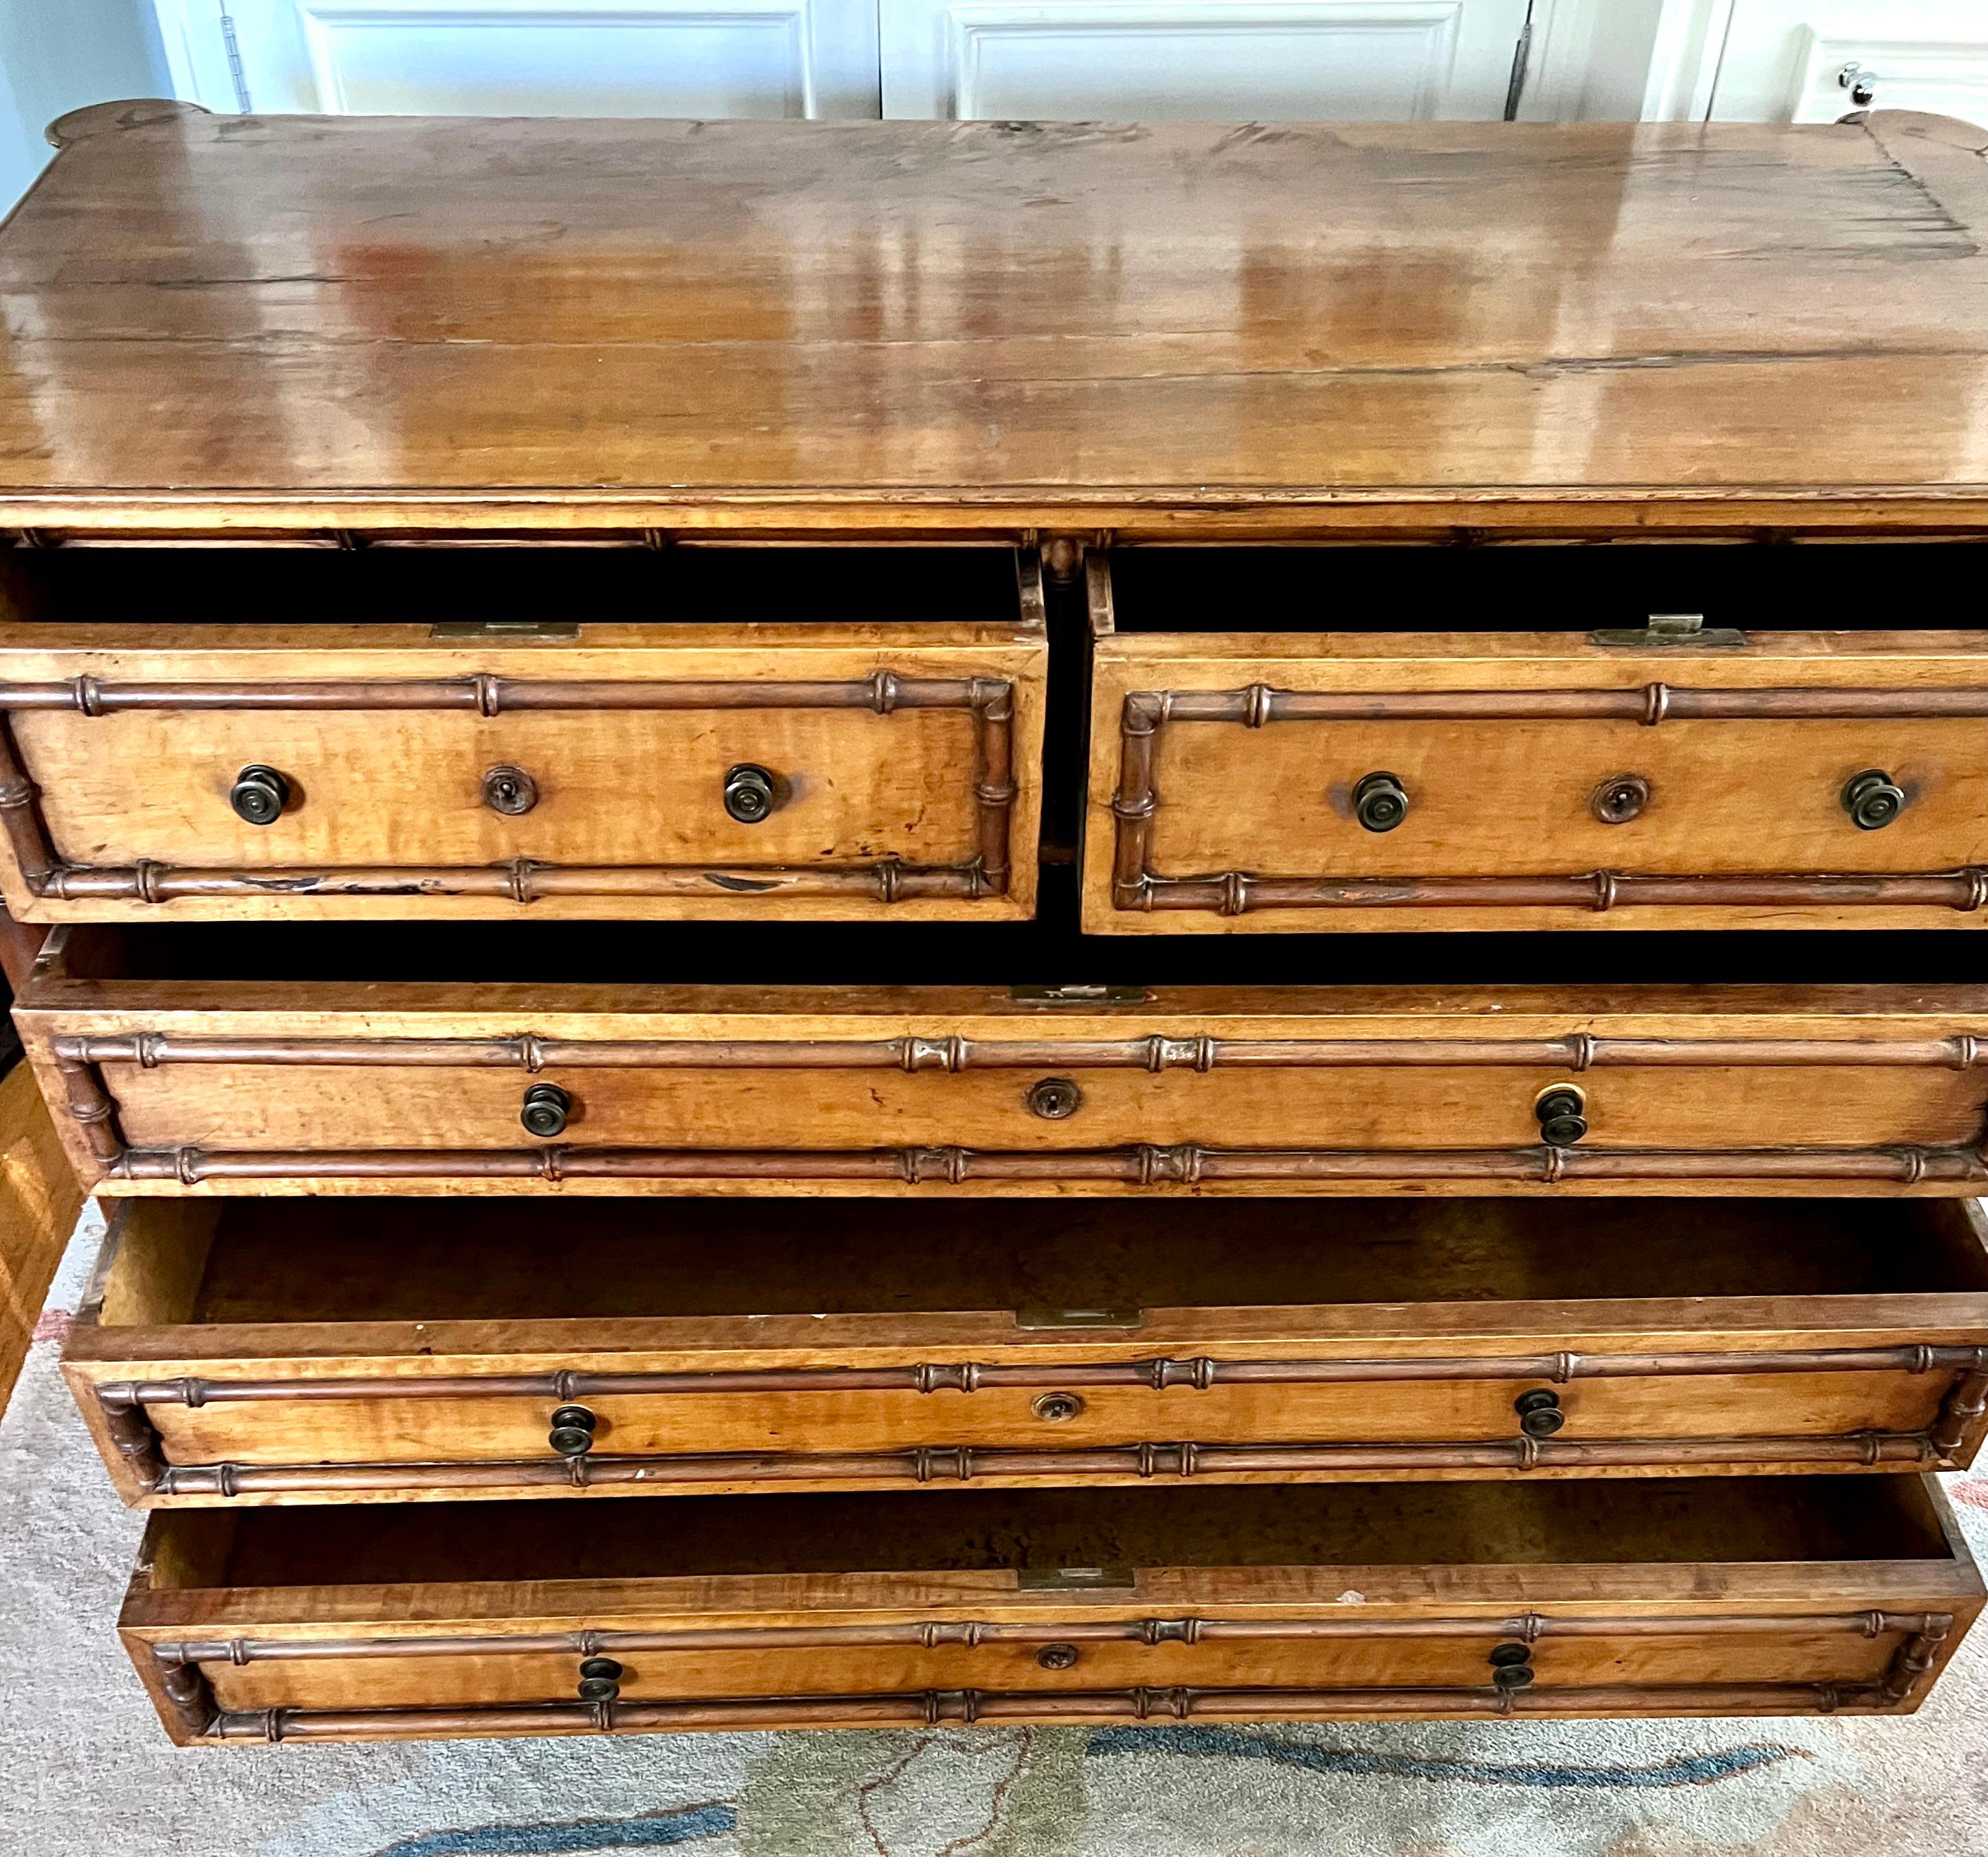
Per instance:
{"type": "Point", "coordinates": [86, 1772]}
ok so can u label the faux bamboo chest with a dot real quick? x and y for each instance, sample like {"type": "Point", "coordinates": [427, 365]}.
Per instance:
{"type": "Point", "coordinates": [944, 858]}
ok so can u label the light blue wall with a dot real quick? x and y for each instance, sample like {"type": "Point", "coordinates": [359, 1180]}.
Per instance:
{"type": "Point", "coordinates": [58, 55]}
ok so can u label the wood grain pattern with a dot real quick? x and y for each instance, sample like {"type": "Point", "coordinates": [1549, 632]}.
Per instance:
{"type": "Point", "coordinates": [905, 760]}
{"type": "Point", "coordinates": [40, 1200]}
{"type": "Point", "coordinates": [1602, 1594]}
{"type": "Point", "coordinates": [943, 327]}
{"type": "Point", "coordinates": [174, 1085]}
{"type": "Point", "coordinates": [191, 1409]}
{"type": "Point", "coordinates": [1222, 768]}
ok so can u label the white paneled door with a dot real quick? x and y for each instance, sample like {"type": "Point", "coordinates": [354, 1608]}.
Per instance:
{"type": "Point", "coordinates": [1215, 60]}
{"type": "Point", "coordinates": [1201, 60]}
{"type": "Point", "coordinates": [684, 58]}
{"type": "Point", "coordinates": [1813, 61]}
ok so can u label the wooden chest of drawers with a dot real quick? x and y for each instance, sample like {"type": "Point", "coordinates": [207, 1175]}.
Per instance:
{"type": "Point", "coordinates": [642, 837]}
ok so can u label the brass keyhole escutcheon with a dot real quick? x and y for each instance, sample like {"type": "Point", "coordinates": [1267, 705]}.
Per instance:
{"type": "Point", "coordinates": [1054, 1099]}
{"type": "Point", "coordinates": [509, 790]}
{"type": "Point", "coordinates": [1620, 798]}
{"type": "Point", "coordinates": [1562, 1111]}
{"type": "Point", "coordinates": [1057, 1407]}
{"type": "Point", "coordinates": [1057, 1656]}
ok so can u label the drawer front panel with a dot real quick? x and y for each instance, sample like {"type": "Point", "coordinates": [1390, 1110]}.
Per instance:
{"type": "Point", "coordinates": [1048, 1423]}
{"type": "Point", "coordinates": [1519, 781]}
{"type": "Point", "coordinates": [806, 773]}
{"type": "Point", "coordinates": [1162, 1096]}
{"type": "Point", "coordinates": [1323, 1105]}
{"type": "Point", "coordinates": [1103, 1665]}
{"type": "Point", "coordinates": [1243, 1656]}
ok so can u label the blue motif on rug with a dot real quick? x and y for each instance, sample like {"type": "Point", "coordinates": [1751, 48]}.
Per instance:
{"type": "Point", "coordinates": [644, 1832]}
{"type": "Point", "coordinates": [1686, 1770]}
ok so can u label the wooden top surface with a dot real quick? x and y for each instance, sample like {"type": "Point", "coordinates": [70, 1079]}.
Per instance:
{"type": "Point", "coordinates": [374, 323]}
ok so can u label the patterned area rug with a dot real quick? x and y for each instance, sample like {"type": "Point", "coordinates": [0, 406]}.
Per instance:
{"type": "Point", "coordinates": [88, 1773]}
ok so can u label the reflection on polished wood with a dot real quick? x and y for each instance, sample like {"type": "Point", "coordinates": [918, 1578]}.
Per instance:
{"type": "Point", "coordinates": [377, 324]}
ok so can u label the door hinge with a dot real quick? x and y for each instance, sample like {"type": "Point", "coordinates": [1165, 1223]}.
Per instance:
{"type": "Point", "coordinates": [1675, 631]}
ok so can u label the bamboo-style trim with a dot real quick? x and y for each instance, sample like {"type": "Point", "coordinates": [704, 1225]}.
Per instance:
{"type": "Point", "coordinates": [1135, 885]}
{"type": "Point", "coordinates": [931, 1708]}
{"type": "Point", "coordinates": [1199, 1373]}
{"type": "Point", "coordinates": [1130, 1463]}
{"type": "Point", "coordinates": [931, 1634]}
{"type": "Point", "coordinates": [1144, 1166]}
{"type": "Point", "coordinates": [884, 880]}
{"type": "Point", "coordinates": [1156, 1052]}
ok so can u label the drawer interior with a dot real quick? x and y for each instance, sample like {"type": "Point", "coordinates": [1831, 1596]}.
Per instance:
{"type": "Point", "coordinates": [588, 583]}
{"type": "Point", "coordinates": [255, 1260]}
{"type": "Point", "coordinates": [1774, 1520]}
{"type": "Point", "coordinates": [1046, 952]}
{"type": "Point", "coordinates": [1370, 586]}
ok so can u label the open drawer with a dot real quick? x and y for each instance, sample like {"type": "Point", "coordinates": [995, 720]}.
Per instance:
{"type": "Point", "coordinates": [1781, 1597]}
{"type": "Point", "coordinates": [1604, 776]}
{"type": "Point", "coordinates": [267, 1352]}
{"type": "Point", "coordinates": [171, 1069]}
{"type": "Point", "coordinates": [798, 734]}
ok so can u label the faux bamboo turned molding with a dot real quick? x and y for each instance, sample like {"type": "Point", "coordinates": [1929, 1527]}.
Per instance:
{"type": "Point", "coordinates": [1136, 885]}
{"type": "Point", "coordinates": [1199, 1373]}
{"type": "Point", "coordinates": [1156, 1052]}
{"type": "Point", "coordinates": [1904, 1166]}
{"type": "Point", "coordinates": [990, 700]}
{"type": "Point", "coordinates": [1135, 1462]}
{"type": "Point", "coordinates": [930, 1634]}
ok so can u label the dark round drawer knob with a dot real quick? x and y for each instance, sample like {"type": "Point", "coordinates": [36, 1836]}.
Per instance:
{"type": "Point", "coordinates": [1873, 800]}
{"type": "Point", "coordinates": [600, 1679]}
{"type": "Point", "coordinates": [1620, 799]}
{"type": "Point", "coordinates": [1539, 1414]}
{"type": "Point", "coordinates": [1054, 1098]}
{"type": "Point", "coordinates": [1057, 1656]}
{"type": "Point", "coordinates": [1057, 1407]}
{"type": "Point", "coordinates": [748, 793]}
{"type": "Point", "coordinates": [546, 1109]}
{"type": "Point", "coordinates": [259, 795]}
{"type": "Point", "coordinates": [1563, 1116]}
{"type": "Point", "coordinates": [509, 790]}
{"type": "Point", "coordinates": [573, 1429]}
{"type": "Point", "coordinates": [1512, 1675]}
{"type": "Point", "coordinates": [1380, 802]}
